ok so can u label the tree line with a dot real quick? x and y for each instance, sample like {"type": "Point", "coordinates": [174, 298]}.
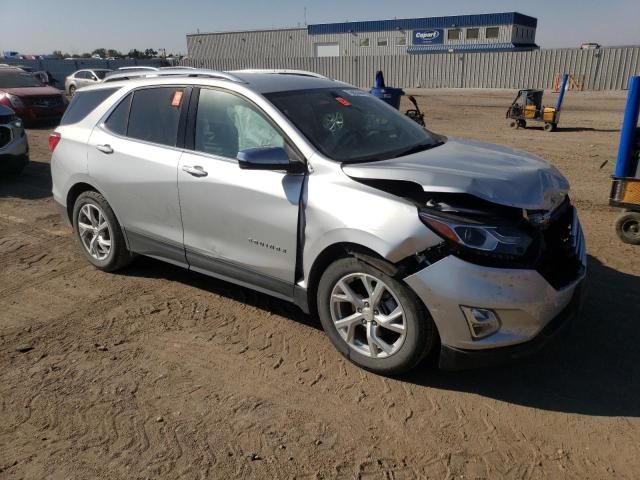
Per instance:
{"type": "Point", "coordinates": [111, 53]}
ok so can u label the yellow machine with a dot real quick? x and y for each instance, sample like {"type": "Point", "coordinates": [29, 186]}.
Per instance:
{"type": "Point", "coordinates": [527, 106]}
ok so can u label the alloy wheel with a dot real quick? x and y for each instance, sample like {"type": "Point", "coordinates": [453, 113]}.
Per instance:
{"type": "Point", "coordinates": [94, 231]}
{"type": "Point", "coordinates": [368, 315]}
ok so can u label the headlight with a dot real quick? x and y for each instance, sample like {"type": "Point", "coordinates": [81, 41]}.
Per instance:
{"type": "Point", "coordinates": [14, 100]}
{"type": "Point", "coordinates": [500, 240]}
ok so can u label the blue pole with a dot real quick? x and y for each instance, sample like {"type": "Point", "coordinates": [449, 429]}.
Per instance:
{"type": "Point", "coordinates": [565, 78]}
{"type": "Point", "coordinates": [626, 164]}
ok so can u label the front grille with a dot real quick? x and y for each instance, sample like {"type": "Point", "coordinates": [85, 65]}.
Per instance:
{"type": "Point", "coordinates": [6, 119]}
{"type": "Point", "coordinates": [5, 136]}
{"type": "Point", "coordinates": [562, 249]}
{"type": "Point", "coordinates": [43, 100]}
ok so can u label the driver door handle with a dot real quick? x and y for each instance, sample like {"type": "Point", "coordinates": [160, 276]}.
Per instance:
{"type": "Point", "coordinates": [195, 170]}
{"type": "Point", "coordinates": [106, 148]}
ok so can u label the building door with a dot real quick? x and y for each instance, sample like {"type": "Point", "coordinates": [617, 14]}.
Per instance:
{"type": "Point", "coordinates": [327, 49]}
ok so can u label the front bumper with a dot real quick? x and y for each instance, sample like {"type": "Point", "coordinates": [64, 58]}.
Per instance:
{"type": "Point", "coordinates": [34, 113]}
{"type": "Point", "coordinates": [525, 302]}
{"type": "Point", "coordinates": [452, 358]}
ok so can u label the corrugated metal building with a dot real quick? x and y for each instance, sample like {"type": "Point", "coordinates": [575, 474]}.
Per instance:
{"type": "Point", "coordinates": [509, 31]}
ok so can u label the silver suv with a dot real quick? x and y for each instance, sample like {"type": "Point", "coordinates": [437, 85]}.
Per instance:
{"type": "Point", "coordinates": [403, 242]}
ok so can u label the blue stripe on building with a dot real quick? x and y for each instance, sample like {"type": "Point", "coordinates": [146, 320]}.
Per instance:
{"type": "Point", "coordinates": [488, 19]}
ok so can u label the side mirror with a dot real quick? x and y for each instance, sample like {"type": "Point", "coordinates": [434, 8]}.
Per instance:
{"type": "Point", "coordinates": [267, 158]}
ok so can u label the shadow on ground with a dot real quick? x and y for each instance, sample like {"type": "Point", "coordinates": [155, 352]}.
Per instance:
{"type": "Point", "coordinates": [592, 371]}
{"type": "Point", "coordinates": [150, 268]}
{"type": "Point", "coordinates": [33, 183]}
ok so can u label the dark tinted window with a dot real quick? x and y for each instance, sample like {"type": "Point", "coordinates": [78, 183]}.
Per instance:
{"type": "Point", "coordinates": [83, 103]}
{"type": "Point", "coordinates": [349, 125]}
{"type": "Point", "coordinates": [117, 121]}
{"type": "Point", "coordinates": [492, 32]}
{"type": "Point", "coordinates": [10, 78]}
{"type": "Point", "coordinates": [82, 74]}
{"type": "Point", "coordinates": [101, 73]}
{"type": "Point", "coordinates": [154, 115]}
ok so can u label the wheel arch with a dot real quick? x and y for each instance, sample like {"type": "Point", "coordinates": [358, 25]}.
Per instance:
{"type": "Point", "coordinates": [337, 251]}
{"type": "Point", "coordinates": [72, 195]}
{"type": "Point", "coordinates": [78, 189]}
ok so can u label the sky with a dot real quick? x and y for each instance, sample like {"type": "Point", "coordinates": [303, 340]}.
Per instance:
{"type": "Point", "coordinates": [77, 26]}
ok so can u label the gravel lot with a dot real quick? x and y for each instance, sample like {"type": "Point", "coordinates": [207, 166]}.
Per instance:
{"type": "Point", "coordinates": [156, 372]}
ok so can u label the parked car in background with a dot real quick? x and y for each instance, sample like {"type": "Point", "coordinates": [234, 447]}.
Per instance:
{"type": "Point", "coordinates": [83, 78]}
{"type": "Point", "coordinates": [311, 190]}
{"type": "Point", "coordinates": [14, 148]}
{"type": "Point", "coordinates": [29, 98]}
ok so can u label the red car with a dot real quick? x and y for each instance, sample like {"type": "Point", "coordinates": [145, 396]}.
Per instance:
{"type": "Point", "coordinates": [32, 101]}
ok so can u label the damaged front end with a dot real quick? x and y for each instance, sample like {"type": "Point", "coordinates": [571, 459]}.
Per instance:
{"type": "Point", "coordinates": [498, 236]}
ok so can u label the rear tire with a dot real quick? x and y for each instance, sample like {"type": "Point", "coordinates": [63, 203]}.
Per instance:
{"type": "Point", "coordinates": [376, 338]}
{"type": "Point", "coordinates": [98, 233]}
{"type": "Point", "coordinates": [549, 127]}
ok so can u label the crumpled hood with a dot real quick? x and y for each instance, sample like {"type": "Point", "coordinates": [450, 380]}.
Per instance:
{"type": "Point", "coordinates": [494, 173]}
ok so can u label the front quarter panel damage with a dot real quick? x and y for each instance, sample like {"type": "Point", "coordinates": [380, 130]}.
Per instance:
{"type": "Point", "coordinates": [341, 210]}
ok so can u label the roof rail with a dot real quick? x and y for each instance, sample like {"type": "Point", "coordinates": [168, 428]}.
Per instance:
{"type": "Point", "coordinates": [183, 72]}
{"type": "Point", "coordinates": [281, 71]}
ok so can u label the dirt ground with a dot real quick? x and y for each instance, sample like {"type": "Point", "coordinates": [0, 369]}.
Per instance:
{"type": "Point", "coordinates": [156, 372]}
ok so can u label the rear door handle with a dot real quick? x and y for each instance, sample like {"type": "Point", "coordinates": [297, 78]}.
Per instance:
{"type": "Point", "coordinates": [195, 170]}
{"type": "Point", "coordinates": [106, 148]}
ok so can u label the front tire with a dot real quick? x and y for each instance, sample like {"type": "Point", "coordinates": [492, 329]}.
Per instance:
{"type": "Point", "coordinates": [98, 233]}
{"type": "Point", "coordinates": [373, 319]}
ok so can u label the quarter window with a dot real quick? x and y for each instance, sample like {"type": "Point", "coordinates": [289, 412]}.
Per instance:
{"type": "Point", "coordinates": [117, 121]}
{"type": "Point", "coordinates": [492, 32]}
{"type": "Point", "coordinates": [83, 103]}
{"type": "Point", "coordinates": [226, 124]}
{"type": "Point", "coordinates": [453, 34]}
{"type": "Point", "coordinates": [473, 33]}
{"type": "Point", "coordinates": [154, 115]}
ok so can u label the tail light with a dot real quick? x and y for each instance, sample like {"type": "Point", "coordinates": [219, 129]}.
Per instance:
{"type": "Point", "coordinates": [54, 139]}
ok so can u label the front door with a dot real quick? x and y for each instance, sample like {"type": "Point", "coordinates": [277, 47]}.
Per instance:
{"type": "Point", "coordinates": [238, 224]}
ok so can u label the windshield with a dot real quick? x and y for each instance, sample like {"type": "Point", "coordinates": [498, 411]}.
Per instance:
{"type": "Point", "coordinates": [101, 73]}
{"type": "Point", "coordinates": [349, 125]}
{"type": "Point", "coordinates": [18, 80]}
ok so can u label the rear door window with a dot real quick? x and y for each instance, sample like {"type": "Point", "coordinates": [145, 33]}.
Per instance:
{"type": "Point", "coordinates": [155, 114]}
{"type": "Point", "coordinates": [83, 103]}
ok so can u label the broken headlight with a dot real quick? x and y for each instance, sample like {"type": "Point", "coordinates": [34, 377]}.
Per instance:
{"type": "Point", "coordinates": [496, 240]}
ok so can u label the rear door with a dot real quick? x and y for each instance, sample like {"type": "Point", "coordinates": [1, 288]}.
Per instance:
{"type": "Point", "coordinates": [82, 78]}
{"type": "Point", "coordinates": [238, 224]}
{"type": "Point", "coordinates": [134, 157]}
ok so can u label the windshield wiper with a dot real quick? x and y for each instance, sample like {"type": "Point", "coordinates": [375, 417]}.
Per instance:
{"type": "Point", "coordinates": [421, 147]}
